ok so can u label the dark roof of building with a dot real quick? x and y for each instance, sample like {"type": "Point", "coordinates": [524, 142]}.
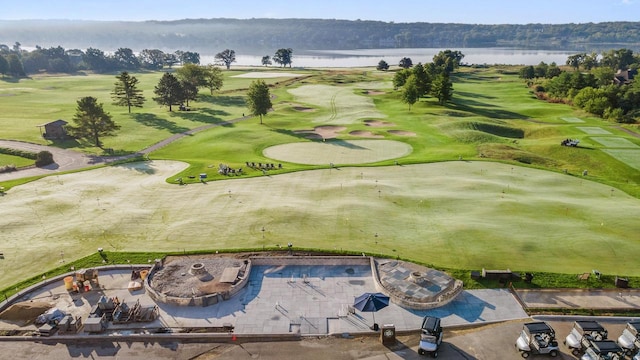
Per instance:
{"type": "Point", "coordinates": [58, 122]}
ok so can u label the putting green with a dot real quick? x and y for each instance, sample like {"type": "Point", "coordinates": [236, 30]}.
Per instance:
{"type": "Point", "coordinates": [457, 214]}
{"type": "Point", "coordinates": [339, 152]}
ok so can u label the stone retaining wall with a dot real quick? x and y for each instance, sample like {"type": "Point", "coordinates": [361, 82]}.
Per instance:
{"type": "Point", "coordinates": [16, 297]}
{"type": "Point", "coordinates": [311, 260]}
{"type": "Point", "coordinates": [205, 300]}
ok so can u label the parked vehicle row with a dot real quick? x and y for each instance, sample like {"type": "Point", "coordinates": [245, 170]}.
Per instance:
{"type": "Point", "coordinates": [587, 340]}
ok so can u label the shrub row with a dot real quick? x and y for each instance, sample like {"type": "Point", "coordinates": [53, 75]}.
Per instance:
{"type": "Point", "coordinates": [7, 168]}
{"type": "Point", "coordinates": [20, 153]}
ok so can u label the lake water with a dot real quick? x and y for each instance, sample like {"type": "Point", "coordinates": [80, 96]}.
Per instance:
{"type": "Point", "coordinates": [371, 57]}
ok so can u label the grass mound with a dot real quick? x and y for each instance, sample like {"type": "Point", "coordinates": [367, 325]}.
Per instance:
{"type": "Point", "coordinates": [508, 152]}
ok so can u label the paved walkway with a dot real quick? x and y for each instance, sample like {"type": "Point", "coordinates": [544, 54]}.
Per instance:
{"type": "Point", "coordinates": [580, 298]}
{"type": "Point", "coordinates": [314, 300]}
{"type": "Point", "coordinates": [279, 301]}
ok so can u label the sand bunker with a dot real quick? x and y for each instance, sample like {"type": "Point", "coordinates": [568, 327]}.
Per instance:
{"type": "Point", "coordinates": [265, 75]}
{"type": "Point", "coordinates": [339, 151]}
{"type": "Point", "coordinates": [363, 133]}
{"type": "Point", "coordinates": [375, 92]}
{"type": "Point", "coordinates": [378, 123]}
{"type": "Point", "coordinates": [401, 133]}
{"type": "Point", "coordinates": [322, 132]}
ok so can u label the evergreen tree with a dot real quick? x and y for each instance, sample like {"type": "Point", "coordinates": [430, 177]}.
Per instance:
{"type": "Point", "coordinates": [169, 91]}
{"type": "Point", "coordinates": [126, 92]}
{"type": "Point", "coordinates": [92, 122]}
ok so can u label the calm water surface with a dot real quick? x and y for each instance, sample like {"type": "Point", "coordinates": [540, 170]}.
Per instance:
{"type": "Point", "coordinates": [371, 57]}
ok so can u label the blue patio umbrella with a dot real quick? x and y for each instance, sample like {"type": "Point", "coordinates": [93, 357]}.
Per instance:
{"type": "Point", "coordinates": [371, 302]}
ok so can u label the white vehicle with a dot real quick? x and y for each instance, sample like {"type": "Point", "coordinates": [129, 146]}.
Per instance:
{"type": "Point", "coordinates": [583, 332]}
{"type": "Point", "coordinates": [630, 338]}
{"type": "Point", "coordinates": [537, 338]}
{"type": "Point", "coordinates": [603, 350]}
{"type": "Point", "coordinates": [431, 336]}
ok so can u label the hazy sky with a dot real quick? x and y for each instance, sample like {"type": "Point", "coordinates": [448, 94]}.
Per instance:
{"type": "Point", "coordinates": [446, 11]}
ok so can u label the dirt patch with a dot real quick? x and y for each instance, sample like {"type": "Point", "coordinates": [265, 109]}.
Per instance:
{"type": "Point", "coordinates": [378, 123]}
{"type": "Point", "coordinates": [363, 133]}
{"type": "Point", "coordinates": [177, 278]}
{"type": "Point", "coordinates": [24, 313]}
{"type": "Point", "coordinates": [401, 133]}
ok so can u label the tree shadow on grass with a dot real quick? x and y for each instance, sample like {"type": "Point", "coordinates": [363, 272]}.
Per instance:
{"type": "Point", "coordinates": [298, 135]}
{"type": "Point", "coordinates": [69, 143]}
{"type": "Point", "coordinates": [343, 143]}
{"type": "Point", "coordinates": [473, 95]}
{"type": "Point", "coordinates": [483, 109]}
{"type": "Point", "coordinates": [223, 100]}
{"type": "Point", "coordinates": [158, 123]}
{"type": "Point", "coordinates": [206, 116]}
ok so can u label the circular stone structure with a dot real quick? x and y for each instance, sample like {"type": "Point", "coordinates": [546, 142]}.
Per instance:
{"type": "Point", "coordinates": [197, 269]}
{"type": "Point", "coordinates": [186, 277]}
{"type": "Point", "coordinates": [204, 280]}
{"type": "Point", "coordinates": [336, 151]}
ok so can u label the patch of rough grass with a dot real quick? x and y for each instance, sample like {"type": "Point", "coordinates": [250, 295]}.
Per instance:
{"type": "Point", "coordinates": [341, 104]}
{"type": "Point", "coordinates": [498, 130]}
{"type": "Point", "coordinates": [481, 132]}
{"type": "Point", "coordinates": [511, 153]}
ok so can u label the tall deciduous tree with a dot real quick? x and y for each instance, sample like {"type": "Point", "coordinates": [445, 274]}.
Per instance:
{"type": "Point", "coordinates": [152, 59]}
{"type": "Point", "coordinates": [283, 57]}
{"type": "Point", "coordinates": [126, 92]}
{"type": "Point", "coordinates": [169, 91]}
{"type": "Point", "coordinates": [410, 92]}
{"type": "Point", "coordinates": [191, 77]}
{"type": "Point", "coordinates": [442, 89]}
{"type": "Point", "coordinates": [4, 66]}
{"type": "Point", "coordinates": [449, 60]}
{"type": "Point", "coordinates": [258, 98]}
{"type": "Point", "coordinates": [405, 63]}
{"type": "Point", "coordinates": [92, 122]}
{"type": "Point", "coordinates": [382, 65]}
{"type": "Point", "coordinates": [213, 78]}
{"type": "Point", "coordinates": [188, 57]}
{"type": "Point", "coordinates": [126, 59]}
{"type": "Point", "coordinates": [423, 80]}
{"type": "Point", "coordinates": [266, 60]}
{"type": "Point", "coordinates": [226, 57]}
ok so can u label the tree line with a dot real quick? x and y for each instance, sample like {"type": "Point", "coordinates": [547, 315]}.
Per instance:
{"type": "Point", "coordinates": [255, 35]}
{"type": "Point", "coordinates": [602, 84]}
{"type": "Point", "coordinates": [17, 62]}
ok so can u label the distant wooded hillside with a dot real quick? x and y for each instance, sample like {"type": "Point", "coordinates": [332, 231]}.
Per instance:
{"type": "Point", "coordinates": [258, 35]}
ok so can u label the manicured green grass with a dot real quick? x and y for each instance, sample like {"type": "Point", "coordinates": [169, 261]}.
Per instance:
{"type": "Point", "coordinates": [30, 102]}
{"type": "Point", "coordinates": [457, 215]}
{"type": "Point", "coordinates": [15, 160]}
